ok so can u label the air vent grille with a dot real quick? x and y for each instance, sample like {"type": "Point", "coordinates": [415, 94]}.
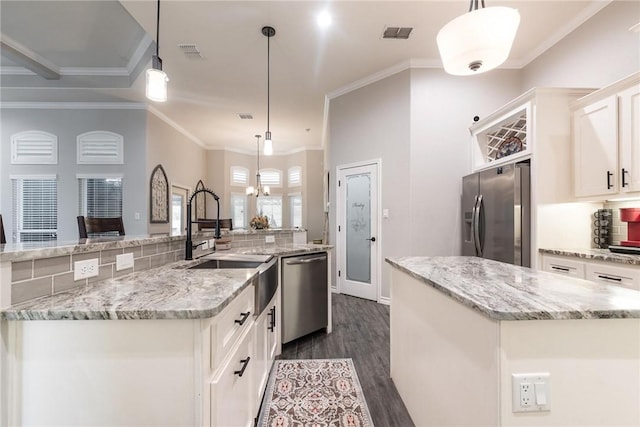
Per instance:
{"type": "Point", "coordinates": [190, 50]}
{"type": "Point", "coordinates": [397, 33]}
{"type": "Point", "coordinates": [246, 116]}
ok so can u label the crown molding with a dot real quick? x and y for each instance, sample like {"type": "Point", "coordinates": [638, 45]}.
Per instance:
{"type": "Point", "coordinates": [138, 54]}
{"type": "Point", "coordinates": [153, 110]}
{"type": "Point", "coordinates": [73, 105]}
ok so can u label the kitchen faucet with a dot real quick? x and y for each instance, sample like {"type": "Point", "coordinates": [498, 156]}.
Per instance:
{"type": "Point", "coordinates": [189, 246]}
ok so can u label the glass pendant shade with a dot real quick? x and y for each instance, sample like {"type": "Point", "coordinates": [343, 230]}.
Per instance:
{"type": "Point", "coordinates": [268, 147]}
{"type": "Point", "coordinates": [478, 41]}
{"type": "Point", "coordinates": [250, 190]}
{"type": "Point", "coordinates": [265, 190]}
{"type": "Point", "coordinates": [156, 85]}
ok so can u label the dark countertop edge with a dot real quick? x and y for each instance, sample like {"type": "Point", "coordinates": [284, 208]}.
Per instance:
{"type": "Point", "coordinates": [12, 314]}
{"type": "Point", "coordinates": [607, 256]}
{"type": "Point", "coordinates": [521, 315]}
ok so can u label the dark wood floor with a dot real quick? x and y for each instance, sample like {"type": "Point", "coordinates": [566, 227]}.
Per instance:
{"type": "Point", "coordinates": [361, 332]}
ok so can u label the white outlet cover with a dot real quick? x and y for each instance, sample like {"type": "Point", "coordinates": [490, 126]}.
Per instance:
{"type": "Point", "coordinates": [85, 269]}
{"type": "Point", "coordinates": [535, 380]}
{"type": "Point", "coordinates": [270, 239]}
{"type": "Point", "coordinates": [124, 261]}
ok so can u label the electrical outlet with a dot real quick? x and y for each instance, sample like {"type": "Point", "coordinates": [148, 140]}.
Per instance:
{"type": "Point", "coordinates": [205, 245]}
{"type": "Point", "coordinates": [530, 392]}
{"type": "Point", "coordinates": [124, 261]}
{"type": "Point", "coordinates": [86, 269]}
{"type": "Point", "coordinates": [270, 239]}
{"type": "Point", "coordinates": [212, 243]}
{"type": "Point", "coordinates": [526, 394]}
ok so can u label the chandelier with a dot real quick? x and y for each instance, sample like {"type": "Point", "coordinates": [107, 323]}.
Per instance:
{"type": "Point", "coordinates": [259, 189]}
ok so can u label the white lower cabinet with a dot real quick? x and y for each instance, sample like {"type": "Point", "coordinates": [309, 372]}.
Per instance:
{"type": "Point", "coordinates": [593, 270]}
{"type": "Point", "coordinates": [232, 399]}
{"type": "Point", "coordinates": [267, 340]}
{"type": "Point", "coordinates": [614, 275]}
{"type": "Point", "coordinates": [563, 265]}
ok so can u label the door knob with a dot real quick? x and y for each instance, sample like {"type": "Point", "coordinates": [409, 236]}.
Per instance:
{"type": "Point", "coordinates": [373, 239]}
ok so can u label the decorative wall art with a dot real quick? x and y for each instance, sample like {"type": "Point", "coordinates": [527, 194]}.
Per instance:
{"type": "Point", "coordinates": [200, 202]}
{"type": "Point", "coordinates": [159, 186]}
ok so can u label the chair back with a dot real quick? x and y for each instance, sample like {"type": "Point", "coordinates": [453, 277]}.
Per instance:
{"type": "Point", "coordinates": [205, 223]}
{"type": "Point", "coordinates": [88, 226]}
{"type": "Point", "coordinates": [3, 239]}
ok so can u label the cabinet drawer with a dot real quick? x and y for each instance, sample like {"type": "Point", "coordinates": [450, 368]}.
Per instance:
{"type": "Point", "coordinates": [230, 324]}
{"type": "Point", "coordinates": [232, 402]}
{"type": "Point", "coordinates": [613, 275]}
{"type": "Point", "coordinates": [563, 265]}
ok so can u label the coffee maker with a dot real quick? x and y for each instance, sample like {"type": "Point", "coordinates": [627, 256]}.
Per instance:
{"type": "Point", "coordinates": [632, 217]}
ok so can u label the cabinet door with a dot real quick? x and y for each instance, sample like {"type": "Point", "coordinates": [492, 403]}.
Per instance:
{"type": "Point", "coordinates": [629, 122]}
{"type": "Point", "coordinates": [595, 139]}
{"type": "Point", "coordinates": [625, 277]}
{"type": "Point", "coordinates": [272, 336]}
{"type": "Point", "coordinates": [261, 367]}
{"type": "Point", "coordinates": [232, 396]}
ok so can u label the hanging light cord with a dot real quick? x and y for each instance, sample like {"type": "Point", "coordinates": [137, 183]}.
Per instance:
{"type": "Point", "coordinates": [158, 31]}
{"type": "Point", "coordinates": [268, 79]}
{"type": "Point", "coordinates": [258, 184]}
{"type": "Point", "coordinates": [473, 5]}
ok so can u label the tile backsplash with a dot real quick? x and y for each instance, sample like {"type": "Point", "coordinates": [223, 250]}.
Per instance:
{"type": "Point", "coordinates": [619, 229]}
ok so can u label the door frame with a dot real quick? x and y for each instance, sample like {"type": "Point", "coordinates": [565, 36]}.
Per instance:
{"type": "Point", "coordinates": [340, 217]}
{"type": "Point", "coordinates": [186, 202]}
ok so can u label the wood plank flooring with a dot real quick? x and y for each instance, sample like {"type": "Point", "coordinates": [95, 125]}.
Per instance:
{"type": "Point", "coordinates": [361, 332]}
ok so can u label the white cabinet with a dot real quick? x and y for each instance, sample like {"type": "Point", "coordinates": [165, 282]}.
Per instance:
{"type": "Point", "coordinates": [629, 113]}
{"type": "Point", "coordinates": [232, 403]}
{"type": "Point", "coordinates": [563, 265]}
{"type": "Point", "coordinates": [594, 270]}
{"type": "Point", "coordinates": [595, 152]}
{"type": "Point", "coordinates": [267, 340]}
{"type": "Point", "coordinates": [614, 275]}
{"type": "Point", "coordinates": [606, 140]}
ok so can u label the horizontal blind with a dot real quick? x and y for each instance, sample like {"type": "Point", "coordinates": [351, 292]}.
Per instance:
{"type": "Point", "coordinates": [239, 175]}
{"type": "Point", "coordinates": [272, 177]}
{"type": "Point", "coordinates": [35, 210]}
{"type": "Point", "coordinates": [295, 176]}
{"type": "Point", "coordinates": [101, 198]}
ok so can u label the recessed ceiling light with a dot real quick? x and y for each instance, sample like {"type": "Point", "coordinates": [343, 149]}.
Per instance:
{"type": "Point", "coordinates": [324, 19]}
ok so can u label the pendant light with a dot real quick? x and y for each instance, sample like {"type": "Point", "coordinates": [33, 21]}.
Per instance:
{"type": "Point", "coordinates": [259, 189]}
{"type": "Point", "coordinates": [156, 78]}
{"type": "Point", "coordinates": [479, 40]}
{"type": "Point", "coordinates": [268, 144]}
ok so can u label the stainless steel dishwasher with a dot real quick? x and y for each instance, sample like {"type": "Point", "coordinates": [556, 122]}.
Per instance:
{"type": "Point", "coordinates": [304, 295]}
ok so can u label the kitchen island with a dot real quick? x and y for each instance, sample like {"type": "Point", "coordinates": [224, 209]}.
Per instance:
{"type": "Point", "coordinates": [151, 345]}
{"type": "Point", "coordinates": [462, 326]}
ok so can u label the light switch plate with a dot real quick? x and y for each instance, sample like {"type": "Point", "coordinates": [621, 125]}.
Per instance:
{"type": "Point", "coordinates": [124, 261]}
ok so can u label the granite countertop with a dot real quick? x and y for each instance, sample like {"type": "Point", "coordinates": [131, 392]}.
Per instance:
{"type": "Point", "coordinates": [507, 292]}
{"type": "Point", "coordinates": [596, 254]}
{"type": "Point", "coordinates": [168, 292]}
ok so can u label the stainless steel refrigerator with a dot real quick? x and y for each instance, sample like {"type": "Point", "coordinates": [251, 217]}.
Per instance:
{"type": "Point", "coordinates": [496, 214]}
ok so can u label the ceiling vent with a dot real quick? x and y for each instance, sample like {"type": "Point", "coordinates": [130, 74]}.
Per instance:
{"type": "Point", "coordinates": [397, 33]}
{"type": "Point", "coordinates": [190, 50]}
{"type": "Point", "coordinates": [245, 116]}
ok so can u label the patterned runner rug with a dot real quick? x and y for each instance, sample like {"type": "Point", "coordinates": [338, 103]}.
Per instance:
{"type": "Point", "coordinates": [314, 393]}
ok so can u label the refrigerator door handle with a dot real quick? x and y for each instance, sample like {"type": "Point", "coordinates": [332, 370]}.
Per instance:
{"type": "Point", "coordinates": [476, 226]}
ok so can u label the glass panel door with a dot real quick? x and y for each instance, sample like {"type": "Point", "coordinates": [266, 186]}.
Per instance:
{"type": "Point", "coordinates": [358, 227]}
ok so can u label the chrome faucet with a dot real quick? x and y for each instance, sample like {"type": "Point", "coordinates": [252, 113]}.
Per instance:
{"type": "Point", "coordinates": [189, 246]}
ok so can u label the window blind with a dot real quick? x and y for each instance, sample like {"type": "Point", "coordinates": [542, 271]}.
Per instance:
{"type": "Point", "coordinates": [295, 176]}
{"type": "Point", "coordinates": [35, 210]}
{"type": "Point", "coordinates": [271, 206]}
{"type": "Point", "coordinates": [272, 177]}
{"type": "Point", "coordinates": [100, 197]}
{"type": "Point", "coordinates": [239, 175]}
{"type": "Point", "coordinates": [295, 210]}
{"type": "Point", "coordinates": [239, 210]}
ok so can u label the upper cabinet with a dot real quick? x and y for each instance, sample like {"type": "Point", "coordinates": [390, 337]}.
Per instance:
{"type": "Point", "coordinates": [606, 140]}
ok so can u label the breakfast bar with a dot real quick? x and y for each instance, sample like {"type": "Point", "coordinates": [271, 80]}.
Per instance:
{"type": "Point", "coordinates": [462, 327]}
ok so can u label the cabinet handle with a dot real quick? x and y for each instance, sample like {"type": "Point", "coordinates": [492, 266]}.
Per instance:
{"type": "Point", "coordinates": [244, 318]}
{"type": "Point", "coordinates": [617, 279]}
{"type": "Point", "coordinates": [624, 182]}
{"type": "Point", "coordinates": [609, 185]}
{"type": "Point", "coordinates": [244, 362]}
{"type": "Point", "coordinates": [272, 322]}
{"type": "Point", "coordinates": [560, 268]}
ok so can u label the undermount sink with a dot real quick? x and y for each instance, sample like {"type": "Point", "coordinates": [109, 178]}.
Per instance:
{"type": "Point", "coordinates": [224, 263]}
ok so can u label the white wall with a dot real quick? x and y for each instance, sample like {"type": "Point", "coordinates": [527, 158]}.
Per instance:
{"type": "Point", "coordinates": [599, 52]}
{"type": "Point", "coordinates": [67, 124]}
{"type": "Point", "coordinates": [417, 122]}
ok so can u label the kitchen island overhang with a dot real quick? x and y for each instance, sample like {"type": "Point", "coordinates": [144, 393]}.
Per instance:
{"type": "Point", "coordinates": [461, 326]}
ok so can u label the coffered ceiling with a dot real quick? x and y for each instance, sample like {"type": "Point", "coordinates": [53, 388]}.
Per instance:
{"type": "Point", "coordinates": [97, 51]}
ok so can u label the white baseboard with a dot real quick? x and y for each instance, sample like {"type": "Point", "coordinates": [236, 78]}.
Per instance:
{"type": "Point", "coordinates": [385, 300]}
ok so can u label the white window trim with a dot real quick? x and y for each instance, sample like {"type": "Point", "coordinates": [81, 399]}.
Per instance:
{"type": "Point", "coordinates": [296, 194]}
{"type": "Point", "coordinates": [81, 176]}
{"type": "Point", "coordinates": [35, 176]}
{"type": "Point", "coordinates": [99, 175]}
{"type": "Point", "coordinates": [116, 157]}
{"type": "Point", "coordinates": [25, 137]}
{"type": "Point", "coordinates": [19, 213]}
{"type": "Point", "coordinates": [278, 171]}
{"type": "Point", "coordinates": [246, 210]}
{"type": "Point", "coordinates": [294, 184]}
{"type": "Point", "coordinates": [235, 183]}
